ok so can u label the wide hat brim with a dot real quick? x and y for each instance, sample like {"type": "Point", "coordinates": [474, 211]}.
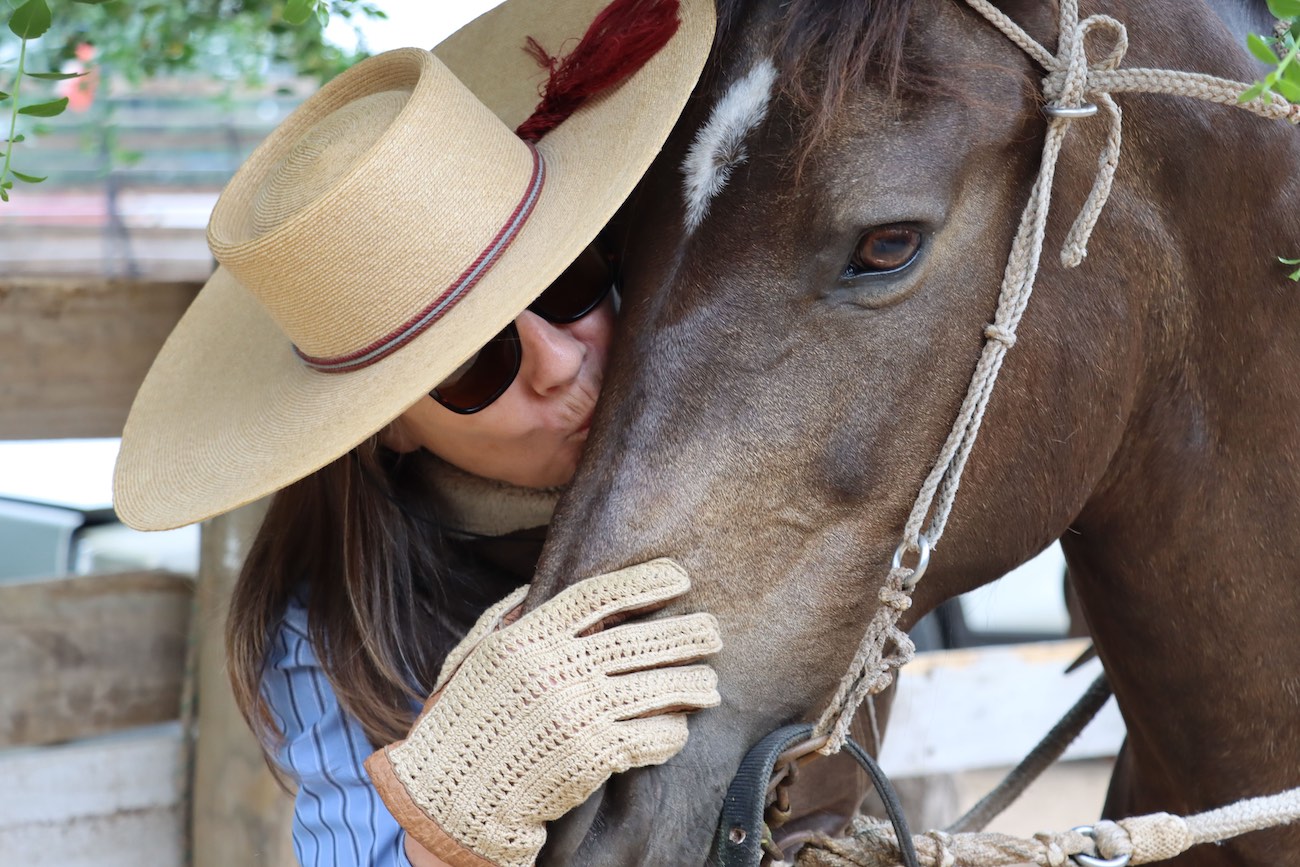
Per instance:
{"type": "Point", "coordinates": [229, 414]}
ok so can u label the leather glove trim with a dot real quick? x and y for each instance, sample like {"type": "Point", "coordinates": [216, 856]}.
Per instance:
{"type": "Point", "coordinates": [415, 821]}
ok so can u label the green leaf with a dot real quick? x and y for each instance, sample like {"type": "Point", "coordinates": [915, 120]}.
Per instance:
{"type": "Point", "coordinates": [1252, 92]}
{"type": "Point", "coordinates": [1285, 261]}
{"type": "Point", "coordinates": [1261, 50]}
{"type": "Point", "coordinates": [1284, 8]}
{"type": "Point", "coordinates": [55, 76]}
{"type": "Point", "coordinates": [30, 20]}
{"type": "Point", "coordinates": [4, 195]}
{"type": "Point", "coordinates": [45, 109]}
{"type": "Point", "coordinates": [30, 179]}
{"type": "Point", "coordinates": [17, 138]}
{"type": "Point", "coordinates": [93, 2]}
{"type": "Point", "coordinates": [3, 96]}
{"type": "Point", "coordinates": [1289, 90]}
{"type": "Point", "coordinates": [298, 11]}
{"type": "Point", "coordinates": [323, 15]}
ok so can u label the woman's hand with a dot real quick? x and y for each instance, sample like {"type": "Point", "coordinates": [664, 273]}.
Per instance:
{"type": "Point", "coordinates": [528, 719]}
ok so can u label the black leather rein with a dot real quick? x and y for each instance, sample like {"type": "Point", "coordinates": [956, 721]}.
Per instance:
{"type": "Point", "coordinates": [741, 829]}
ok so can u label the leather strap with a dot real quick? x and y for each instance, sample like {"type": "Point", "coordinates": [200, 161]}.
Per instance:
{"type": "Point", "coordinates": [739, 838]}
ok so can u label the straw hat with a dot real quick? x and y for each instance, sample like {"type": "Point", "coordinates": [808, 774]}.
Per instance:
{"type": "Point", "coordinates": [385, 231]}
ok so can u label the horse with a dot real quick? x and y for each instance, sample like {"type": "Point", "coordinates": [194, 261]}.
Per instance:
{"type": "Point", "coordinates": [810, 269]}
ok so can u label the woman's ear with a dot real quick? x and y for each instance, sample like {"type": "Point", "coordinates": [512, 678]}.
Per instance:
{"type": "Point", "coordinates": [397, 437]}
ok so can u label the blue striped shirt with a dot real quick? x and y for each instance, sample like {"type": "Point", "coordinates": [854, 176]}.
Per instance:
{"type": "Point", "coordinates": [338, 818]}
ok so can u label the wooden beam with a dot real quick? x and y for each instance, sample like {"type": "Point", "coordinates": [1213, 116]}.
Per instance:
{"type": "Point", "coordinates": [241, 815]}
{"type": "Point", "coordinates": [90, 654]}
{"type": "Point", "coordinates": [104, 802]}
{"type": "Point", "coordinates": [74, 351]}
{"type": "Point", "coordinates": [959, 710]}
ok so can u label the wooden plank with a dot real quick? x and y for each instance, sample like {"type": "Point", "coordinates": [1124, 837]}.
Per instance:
{"type": "Point", "coordinates": [74, 351]}
{"type": "Point", "coordinates": [959, 710]}
{"type": "Point", "coordinates": [90, 654]}
{"type": "Point", "coordinates": [241, 815]}
{"type": "Point", "coordinates": [105, 802]}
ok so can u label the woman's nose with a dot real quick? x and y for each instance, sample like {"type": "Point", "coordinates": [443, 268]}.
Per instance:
{"type": "Point", "coordinates": [552, 356]}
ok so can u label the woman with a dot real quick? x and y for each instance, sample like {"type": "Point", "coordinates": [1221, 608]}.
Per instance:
{"type": "Point", "coordinates": [378, 347]}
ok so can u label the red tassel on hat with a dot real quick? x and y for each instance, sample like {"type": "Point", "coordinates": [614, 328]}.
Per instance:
{"type": "Point", "coordinates": [625, 35]}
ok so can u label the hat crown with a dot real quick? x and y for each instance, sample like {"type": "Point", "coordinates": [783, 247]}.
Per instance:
{"type": "Point", "coordinates": [369, 201]}
{"type": "Point", "coordinates": [322, 156]}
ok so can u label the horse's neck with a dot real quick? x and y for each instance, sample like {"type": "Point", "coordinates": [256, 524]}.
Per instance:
{"type": "Point", "coordinates": [1243, 16]}
{"type": "Point", "coordinates": [1187, 557]}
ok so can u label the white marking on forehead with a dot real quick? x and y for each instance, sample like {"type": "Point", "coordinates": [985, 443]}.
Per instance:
{"type": "Point", "coordinates": [719, 146]}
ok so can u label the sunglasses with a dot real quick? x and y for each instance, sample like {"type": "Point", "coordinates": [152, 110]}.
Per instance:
{"type": "Point", "coordinates": [488, 373]}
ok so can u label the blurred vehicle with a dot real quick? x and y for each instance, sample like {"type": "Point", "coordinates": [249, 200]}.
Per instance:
{"type": "Point", "coordinates": [56, 515]}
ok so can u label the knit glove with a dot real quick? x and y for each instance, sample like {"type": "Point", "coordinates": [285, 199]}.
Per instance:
{"type": "Point", "coordinates": [528, 719]}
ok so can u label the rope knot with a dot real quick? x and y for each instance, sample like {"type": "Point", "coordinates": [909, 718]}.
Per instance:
{"type": "Point", "coordinates": [904, 652]}
{"type": "Point", "coordinates": [895, 597]}
{"type": "Point", "coordinates": [1113, 841]}
{"type": "Point", "coordinates": [1054, 854]}
{"type": "Point", "coordinates": [1068, 83]}
{"type": "Point", "coordinates": [1002, 335]}
{"type": "Point", "coordinates": [943, 856]}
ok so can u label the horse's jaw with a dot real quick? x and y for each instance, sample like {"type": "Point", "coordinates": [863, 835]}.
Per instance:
{"type": "Point", "coordinates": [652, 816]}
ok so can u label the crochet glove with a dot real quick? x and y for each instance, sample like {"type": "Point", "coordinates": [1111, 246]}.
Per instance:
{"type": "Point", "coordinates": [528, 719]}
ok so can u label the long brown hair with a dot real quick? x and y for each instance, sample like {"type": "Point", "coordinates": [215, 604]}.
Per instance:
{"type": "Point", "coordinates": [361, 540]}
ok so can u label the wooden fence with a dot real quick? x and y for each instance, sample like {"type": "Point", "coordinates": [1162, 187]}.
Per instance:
{"type": "Point", "coordinates": [107, 679]}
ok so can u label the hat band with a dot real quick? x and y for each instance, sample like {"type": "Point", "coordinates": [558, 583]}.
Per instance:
{"type": "Point", "coordinates": [416, 325]}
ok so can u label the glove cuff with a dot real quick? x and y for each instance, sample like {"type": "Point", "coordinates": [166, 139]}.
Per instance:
{"type": "Point", "coordinates": [415, 821]}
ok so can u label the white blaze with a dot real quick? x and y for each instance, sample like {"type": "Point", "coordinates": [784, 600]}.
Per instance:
{"type": "Point", "coordinates": [719, 146]}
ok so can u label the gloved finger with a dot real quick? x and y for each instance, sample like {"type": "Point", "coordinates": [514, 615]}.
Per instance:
{"type": "Point", "coordinates": [663, 690]}
{"type": "Point", "coordinates": [646, 741]}
{"type": "Point", "coordinates": [625, 745]}
{"type": "Point", "coordinates": [651, 643]}
{"type": "Point", "coordinates": [487, 623]}
{"type": "Point", "coordinates": [634, 589]}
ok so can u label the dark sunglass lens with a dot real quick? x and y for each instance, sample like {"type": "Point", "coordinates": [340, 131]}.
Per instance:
{"type": "Point", "coordinates": [577, 291]}
{"type": "Point", "coordinates": [483, 379]}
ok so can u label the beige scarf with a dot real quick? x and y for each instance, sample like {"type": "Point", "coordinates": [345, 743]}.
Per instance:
{"type": "Point", "coordinates": [487, 507]}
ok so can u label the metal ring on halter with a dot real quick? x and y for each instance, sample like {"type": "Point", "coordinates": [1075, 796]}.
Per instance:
{"type": "Point", "coordinates": [1092, 860]}
{"type": "Point", "coordinates": [1088, 109]}
{"type": "Point", "coordinates": [922, 561]}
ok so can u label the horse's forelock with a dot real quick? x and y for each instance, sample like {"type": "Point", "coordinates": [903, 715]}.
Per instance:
{"type": "Point", "coordinates": [826, 48]}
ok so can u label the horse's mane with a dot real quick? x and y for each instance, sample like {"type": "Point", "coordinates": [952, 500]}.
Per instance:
{"type": "Point", "coordinates": [825, 48]}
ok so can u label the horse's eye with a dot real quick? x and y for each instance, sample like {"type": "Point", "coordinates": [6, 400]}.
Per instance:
{"type": "Point", "coordinates": [884, 249]}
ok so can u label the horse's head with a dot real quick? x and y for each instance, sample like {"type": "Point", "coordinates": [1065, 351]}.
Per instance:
{"type": "Point", "coordinates": [809, 270]}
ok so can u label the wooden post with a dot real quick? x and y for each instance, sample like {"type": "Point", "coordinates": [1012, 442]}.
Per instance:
{"type": "Point", "coordinates": [240, 813]}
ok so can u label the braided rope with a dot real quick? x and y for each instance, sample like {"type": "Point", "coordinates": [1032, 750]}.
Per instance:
{"type": "Point", "coordinates": [1142, 839]}
{"type": "Point", "coordinates": [1071, 80]}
